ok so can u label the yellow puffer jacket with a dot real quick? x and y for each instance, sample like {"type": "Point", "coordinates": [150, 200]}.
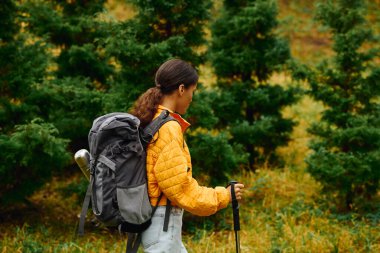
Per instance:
{"type": "Point", "coordinates": [169, 170]}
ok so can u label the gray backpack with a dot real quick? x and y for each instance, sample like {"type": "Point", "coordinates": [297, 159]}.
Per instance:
{"type": "Point", "coordinates": [118, 181]}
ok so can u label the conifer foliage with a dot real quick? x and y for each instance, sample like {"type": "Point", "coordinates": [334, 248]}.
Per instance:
{"type": "Point", "coordinates": [346, 156]}
{"type": "Point", "coordinates": [72, 27]}
{"type": "Point", "coordinates": [72, 95]}
{"type": "Point", "coordinates": [30, 147]}
{"type": "Point", "coordinates": [160, 30]}
{"type": "Point", "coordinates": [245, 52]}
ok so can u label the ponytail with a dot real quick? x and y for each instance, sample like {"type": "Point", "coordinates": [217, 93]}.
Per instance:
{"type": "Point", "coordinates": [169, 76]}
{"type": "Point", "coordinates": [146, 106]}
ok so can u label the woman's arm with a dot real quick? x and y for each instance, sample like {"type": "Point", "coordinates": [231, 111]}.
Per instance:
{"type": "Point", "coordinates": [177, 183]}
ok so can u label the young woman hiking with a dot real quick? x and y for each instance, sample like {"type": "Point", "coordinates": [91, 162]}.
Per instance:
{"type": "Point", "coordinates": [168, 160]}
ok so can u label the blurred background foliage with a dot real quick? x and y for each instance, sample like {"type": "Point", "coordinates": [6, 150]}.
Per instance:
{"type": "Point", "coordinates": [280, 82]}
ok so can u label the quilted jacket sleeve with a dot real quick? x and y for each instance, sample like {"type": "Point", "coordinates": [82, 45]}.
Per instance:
{"type": "Point", "coordinates": [176, 181]}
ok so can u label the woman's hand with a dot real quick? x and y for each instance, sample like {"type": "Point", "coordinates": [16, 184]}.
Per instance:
{"type": "Point", "coordinates": [239, 190]}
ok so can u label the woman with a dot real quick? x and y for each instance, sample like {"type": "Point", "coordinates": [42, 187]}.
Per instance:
{"type": "Point", "coordinates": [168, 159]}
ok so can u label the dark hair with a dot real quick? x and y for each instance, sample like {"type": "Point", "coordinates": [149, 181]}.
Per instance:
{"type": "Point", "coordinates": [169, 76]}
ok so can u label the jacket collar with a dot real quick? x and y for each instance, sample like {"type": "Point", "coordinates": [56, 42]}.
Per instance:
{"type": "Point", "coordinates": [182, 122]}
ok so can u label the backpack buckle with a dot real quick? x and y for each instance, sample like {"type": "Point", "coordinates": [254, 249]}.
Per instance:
{"type": "Point", "coordinates": [165, 114]}
{"type": "Point", "coordinates": [118, 149]}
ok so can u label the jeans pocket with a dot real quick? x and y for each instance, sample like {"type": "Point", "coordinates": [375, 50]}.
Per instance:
{"type": "Point", "coordinates": [176, 227]}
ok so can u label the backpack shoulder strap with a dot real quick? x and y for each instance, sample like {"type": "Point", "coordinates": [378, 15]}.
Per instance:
{"type": "Point", "coordinates": [154, 126]}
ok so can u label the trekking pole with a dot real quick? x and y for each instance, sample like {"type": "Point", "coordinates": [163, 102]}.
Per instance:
{"type": "Point", "coordinates": [82, 158]}
{"type": "Point", "coordinates": [235, 209]}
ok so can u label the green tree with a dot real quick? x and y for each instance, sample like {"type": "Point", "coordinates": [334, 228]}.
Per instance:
{"type": "Point", "coordinates": [223, 157]}
{"type": "Point", "coordinates": [79, 68]}
{"type": "Point", "coordinates": [245, 51]}
{"type": "Point", "coordinates": [346, 156]}
{"type": "Point", "coordinates": [21, 66]}
{"type": "Point", "coordinates": [30, 148]}
{"type": "Point", "coordinates": [161, 30]}
{"type": "Point", "coordinates": [71, 27]}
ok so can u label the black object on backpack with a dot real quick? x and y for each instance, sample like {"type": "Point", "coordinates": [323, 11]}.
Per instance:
{"type": "Point", "coordinates": [118, 181]}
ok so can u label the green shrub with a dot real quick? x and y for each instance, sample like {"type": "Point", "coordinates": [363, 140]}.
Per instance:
{"type": "Point", "coordinates": [31, 155]}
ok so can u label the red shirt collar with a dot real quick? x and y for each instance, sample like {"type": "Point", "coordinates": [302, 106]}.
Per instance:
{"type": "Point", "coordinates": [182, 122]}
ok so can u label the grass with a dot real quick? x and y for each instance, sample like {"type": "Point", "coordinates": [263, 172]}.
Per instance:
{"type": "Point", "coordinates": [283, 211]}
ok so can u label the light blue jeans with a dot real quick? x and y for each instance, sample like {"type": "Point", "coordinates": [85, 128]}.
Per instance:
{"type": "Point", "coordinates": [155, 240]}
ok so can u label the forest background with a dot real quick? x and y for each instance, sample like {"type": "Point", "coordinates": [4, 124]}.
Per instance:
{"type": "Point", "coordinates": [288, 104]}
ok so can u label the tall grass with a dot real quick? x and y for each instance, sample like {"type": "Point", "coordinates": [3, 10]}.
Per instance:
{"type": "Point", "coordinates": [282, 212]}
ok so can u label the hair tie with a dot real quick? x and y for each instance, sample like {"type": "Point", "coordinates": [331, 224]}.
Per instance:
{"type": "Point", "coordinates": [158, 86]}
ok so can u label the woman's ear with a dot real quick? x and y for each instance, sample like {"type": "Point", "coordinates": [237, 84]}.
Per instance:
{"type": "Point", "coordinates": [181, 89]}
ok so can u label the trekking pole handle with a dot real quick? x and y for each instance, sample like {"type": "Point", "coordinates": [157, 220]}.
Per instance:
{"type": "Point", "coordinates": [235, 206]}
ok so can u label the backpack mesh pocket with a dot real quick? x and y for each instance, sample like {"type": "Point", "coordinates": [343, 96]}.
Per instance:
{"type": "Point", "coordinates": [134, 205]}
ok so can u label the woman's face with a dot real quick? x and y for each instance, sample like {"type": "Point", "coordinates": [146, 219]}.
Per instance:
{"type": "Point", "coordinates": [185, 96]}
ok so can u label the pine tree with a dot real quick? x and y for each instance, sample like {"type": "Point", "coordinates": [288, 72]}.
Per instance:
{"type": "Point", "coordinates": [30, 147]}
{"type": "Point", "coordinates": [161, 30]}
{"type": "Point", "coordinates": [72, 27]}
{"type": "Point", "coordinates": [346, 156]}
{"type": "Point", "coordinates": [79, 68]}
{"type": "Point", "coordinates": [161, 20]}
{"type": "Point", "coordinates": [21, 65]}
{"type": "Point", "coordinates": [245, 51]}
